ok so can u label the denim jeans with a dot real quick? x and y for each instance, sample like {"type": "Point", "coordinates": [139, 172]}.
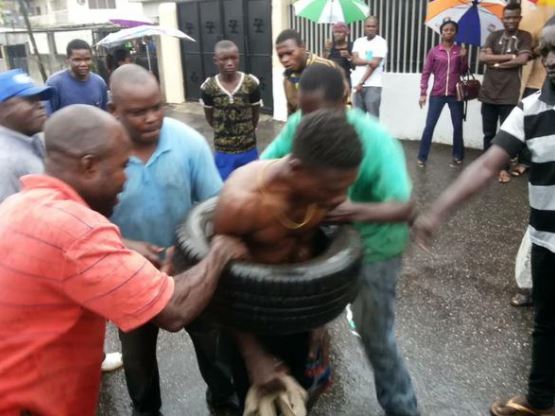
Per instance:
{"type": "Point", "coordinates": [435, 107]}
{"type": "Point", "coordinates": [492, 116]}
{"type": "Point", "coordinates": [369, 100]}
{"type": "Point", "coordinates": [374, 315]}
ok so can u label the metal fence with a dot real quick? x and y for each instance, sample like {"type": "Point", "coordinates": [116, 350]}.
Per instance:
{"type": "Point", "coordinates": [401, 24]}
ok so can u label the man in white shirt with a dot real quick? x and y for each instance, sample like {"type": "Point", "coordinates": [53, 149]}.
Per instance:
{"type": "Point", "coordinates": [369, 53]}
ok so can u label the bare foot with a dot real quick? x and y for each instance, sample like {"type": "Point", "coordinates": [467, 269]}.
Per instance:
{"type": "Point", "coordinates": [504, 176]}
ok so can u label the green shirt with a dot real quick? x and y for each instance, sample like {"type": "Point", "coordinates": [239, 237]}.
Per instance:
{"type": "Point", "coordinates": [382, 177]}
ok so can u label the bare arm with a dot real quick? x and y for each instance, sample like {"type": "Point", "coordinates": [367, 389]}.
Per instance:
{"type": "Point", "coordinates": [358, 61]}
{"type": "Point", "coordinates": [384, 212]}
{"type": "Point", "coordinates": [374, 63]}
{"type": "Point", "coordinates": [487, 57]}
{"type": "Point", "coordinates": [209, 114]}
{"type": "Point", "coordinates": [194, 288]}
{"type": "Point", "coordinates": [327, 49]}
{"type": "Point", "coordinates": [255, 115]}
{"type": "Point", "coordinates": [520, 60]}
{"type": "Point", "coordinates": [471, 181]}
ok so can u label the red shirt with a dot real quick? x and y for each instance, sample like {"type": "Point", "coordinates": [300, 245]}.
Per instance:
{"type": "Point", "coordinates": [63, 272]}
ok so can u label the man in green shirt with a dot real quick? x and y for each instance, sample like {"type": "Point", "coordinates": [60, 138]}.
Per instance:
{"type": "Point", "coordinates": [380, 208]}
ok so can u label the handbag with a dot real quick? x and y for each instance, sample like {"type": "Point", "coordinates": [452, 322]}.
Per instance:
{"type": "Point", "coordinates": [468, 88]}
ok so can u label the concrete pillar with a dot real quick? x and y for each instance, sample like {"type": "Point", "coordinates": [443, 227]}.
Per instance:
{"type": "Point", "coordinates": [52, 60]}
{"type": "Point", "coordinates": [280, 22]}
{"type": "Point", "coordinates": [169, 58]}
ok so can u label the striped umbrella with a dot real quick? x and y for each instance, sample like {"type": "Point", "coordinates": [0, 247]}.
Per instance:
{"type": "Point", "coordinates": [476, 18]}
{"type": "Point", "coordinates": [332, 11]}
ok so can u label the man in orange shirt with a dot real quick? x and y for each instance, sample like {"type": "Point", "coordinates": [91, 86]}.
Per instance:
{"type": "Point", "coordinates": [65, 271]}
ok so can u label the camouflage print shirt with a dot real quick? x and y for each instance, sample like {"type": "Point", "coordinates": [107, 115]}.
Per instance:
{"type": "Point", "coordinates": [233, 115]}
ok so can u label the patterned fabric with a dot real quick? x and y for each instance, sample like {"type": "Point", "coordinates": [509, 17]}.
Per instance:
{"type": "Point", "coordinates": [233, 115]}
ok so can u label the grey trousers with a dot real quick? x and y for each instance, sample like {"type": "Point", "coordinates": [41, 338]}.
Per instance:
{"type": "Point", "coordinates": [369, 100]}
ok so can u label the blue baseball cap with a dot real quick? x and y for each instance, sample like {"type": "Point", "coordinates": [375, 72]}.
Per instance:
{"type": "Point", "coordinates": [16, 83]}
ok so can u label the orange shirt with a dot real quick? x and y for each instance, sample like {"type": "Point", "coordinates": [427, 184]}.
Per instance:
{"type": "Point", "coordinates": [63, 271]}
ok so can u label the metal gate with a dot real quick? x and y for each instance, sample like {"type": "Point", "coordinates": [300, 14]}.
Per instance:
{"type": "Point", "coordinates": [245, 22]}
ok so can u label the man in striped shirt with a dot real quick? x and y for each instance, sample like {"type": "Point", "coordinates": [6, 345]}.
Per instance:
{"type": "Point", "coordinates": [64, 271]}
{"type": "Point", "coordinates": [531, 124]}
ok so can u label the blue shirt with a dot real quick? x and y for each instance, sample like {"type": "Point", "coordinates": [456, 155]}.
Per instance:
{"type": "Point", "coordinates": [159, 194]}
{"type": "Point", "coordinates": [70, 90]}
{"type": "Point", "coordinates": [20, 155]}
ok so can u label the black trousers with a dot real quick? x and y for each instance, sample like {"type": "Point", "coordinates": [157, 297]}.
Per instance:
{"type": "Point", "coordinates": [141, 365]}
{"type": "Point", "coordinates": [541, 383]}
{"type": "Point", "coordinates": [492, 116]}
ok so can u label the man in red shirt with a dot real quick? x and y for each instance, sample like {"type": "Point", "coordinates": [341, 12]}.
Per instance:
{"type": "Point", "coordinates": [65, 271]}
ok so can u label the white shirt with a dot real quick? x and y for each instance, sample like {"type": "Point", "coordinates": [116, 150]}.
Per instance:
{"type": "Point", "coordinates": [369, 49]}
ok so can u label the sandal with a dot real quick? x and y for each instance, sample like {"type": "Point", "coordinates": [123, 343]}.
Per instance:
{"type": "Point", "coordinates": [504, 176]}
{"type": "Point", "coordinates": [522, 298]}
{"type": "Point", "coordinates": [455, 163]}
{"type": "Point", "coordinates": [518, 406]}
{"type": "Point", "coordinates": [421, 163]}
{"type": "Point", "coordinates": [519, 170]}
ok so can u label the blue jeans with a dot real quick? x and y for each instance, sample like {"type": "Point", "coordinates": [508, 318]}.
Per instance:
{"type": "Point", "coordinates": [436, 105]}
{"type": "Point", "coordinates": [369, 100]}
{"type": "Point", "coordinates": [374, 315]}
{"type": "Point", "coordinates": [228, 162]}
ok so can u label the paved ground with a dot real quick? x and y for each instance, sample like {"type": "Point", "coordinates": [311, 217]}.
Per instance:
{"type": "Point", "coordinates": [462, 341]}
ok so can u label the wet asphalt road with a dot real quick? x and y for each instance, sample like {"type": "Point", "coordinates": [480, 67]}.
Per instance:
{"type": "Point", "coordinates": [464, 344]}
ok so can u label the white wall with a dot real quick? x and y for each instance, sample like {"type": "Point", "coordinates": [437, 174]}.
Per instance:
{"type": "Point", "coordinates": [400, 112]}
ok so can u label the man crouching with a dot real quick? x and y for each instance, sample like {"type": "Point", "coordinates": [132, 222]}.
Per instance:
{"type": "Point", "coordinates": [275, 207]}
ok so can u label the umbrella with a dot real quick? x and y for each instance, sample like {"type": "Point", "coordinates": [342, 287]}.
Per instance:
{"type": "Point", "coordinates": [476, 19]}
{"type": "Point", "coordinates": [130, 22]}
{"type": "Point", "coordinates": [331, 11]}
{"type": "Point", "coordinates": [124, 35]}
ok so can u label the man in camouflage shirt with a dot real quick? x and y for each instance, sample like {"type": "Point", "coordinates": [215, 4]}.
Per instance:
{"type": "Point", "coordinates": [231, 101]}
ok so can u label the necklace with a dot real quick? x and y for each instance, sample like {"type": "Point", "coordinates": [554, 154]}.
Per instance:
{"type": "Point", "coordinates": [282, 218]}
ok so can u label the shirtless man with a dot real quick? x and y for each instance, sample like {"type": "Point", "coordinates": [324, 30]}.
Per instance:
{"type": "Point", "coordinates": [275, 207]}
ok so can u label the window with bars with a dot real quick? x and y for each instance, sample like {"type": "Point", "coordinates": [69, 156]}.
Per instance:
{"type": "Point", "coordinates": [401, 24]}
{"type": "Point", "coordinates": [102, 4]}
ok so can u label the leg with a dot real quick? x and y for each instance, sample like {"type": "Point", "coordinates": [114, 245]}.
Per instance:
{"type": "Point", "coordinates": [434, 111]}
{"type": "Point", "coordinates": [374, 313]}
{"type": "Point", "coordinates": [358, 100]}
{"type": "Point", "coordinates": [489, 123]}
{"type": "Point", "coordinates": [456, 109]}
{"type": "Point", "coordinates": [373, 99]}
{"type": "Point", "coordinates": [213, 350]}
{"type": "Point", "coordinates": [245, 158]}
{"type": "Point", "coordinates": [141, 368]}
{"type": "Point", "coordinates": [541, 383]}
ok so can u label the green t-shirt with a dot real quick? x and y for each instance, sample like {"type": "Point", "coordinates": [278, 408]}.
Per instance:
{"type": "Point", "coordinates": [382, 177]}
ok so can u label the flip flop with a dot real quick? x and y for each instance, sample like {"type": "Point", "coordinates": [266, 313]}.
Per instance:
{"type": "Point", "coordinates": [504, 176]}
{"type": "Point", "coordinates": [519, 170]}
{"type": "Point", "coordinates": [518, 406]}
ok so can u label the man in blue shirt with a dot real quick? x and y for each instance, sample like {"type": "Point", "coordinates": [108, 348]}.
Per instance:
{"type": "Point", "coordinates": [171, 168]}
{"type": "Point", "coordinates": [77, 85]}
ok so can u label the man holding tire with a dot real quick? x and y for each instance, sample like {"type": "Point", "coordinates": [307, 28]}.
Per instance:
{"type": "Point", "coordinates": [380, 208]}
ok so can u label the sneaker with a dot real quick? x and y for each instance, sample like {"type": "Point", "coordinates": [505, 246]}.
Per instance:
{"type": "Point", "coordinates": [112, 361]}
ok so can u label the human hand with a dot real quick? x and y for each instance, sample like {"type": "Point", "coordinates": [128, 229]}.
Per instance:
{"type": "Point", "coordinates": [423, 230]}
{"type": "Point", "coordinates": [319, 346]}
{"type": "Point", "coordinates": [345, 53]}
{"type": "Point", "coordinates": [265, 372]}
{"type": "Point", "coordinates": [358, 88]}
{"type": "Point", "coordinates": [463, 52]}
{"type": "Point", "coordinates": [232, 248]}
{"type": "Point", "coordinates": [344, 212]}
{"type": "Point", "coordinates": [167, 264]}
{"type": "Point", "coordinates": [150, 251]}
{"type": "Point", "coordinates": [422, 101]}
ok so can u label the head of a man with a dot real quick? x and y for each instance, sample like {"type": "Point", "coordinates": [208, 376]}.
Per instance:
{"type": "Point", "coordinates": [21, 107]}
{"type": "Point", "coordinates": [547, 51]}
{"type": "Point", "coordinates": [122, 57]}
{"type": "Point", "coordinates": [512, 15]}
{"type": "Point", "coordinates": [88, 149]}
{"type": "Point", "coordinates": [137, 103]}
{"type": "Point", "coordinates": [371, 27]}
{"type": "Point", "coordinates": [226, 57]}
{"type": "Point", "coordinates": [79, 58]}
{"type": "Point", "coordinates": [321, 87]}
{"type": "Point", "coordinates": [325, 158]}
{"type": "Point", "coordinates": [340, 32]}
{"type": "Point", "coordinates": [291, 50]}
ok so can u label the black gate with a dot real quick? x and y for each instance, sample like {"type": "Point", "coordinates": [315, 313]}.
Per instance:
{"type": "Point", "coordinates": [17, 57]}
{"type": "Point", "coordinates": [245, 22]}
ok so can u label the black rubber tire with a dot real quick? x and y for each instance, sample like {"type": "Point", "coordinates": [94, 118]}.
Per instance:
{"type": "Point", "coordinates": [276, 299]}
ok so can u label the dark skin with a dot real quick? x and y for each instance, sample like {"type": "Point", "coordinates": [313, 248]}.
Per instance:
{"type": "Point", "coordinates": [252, 209]}
{"type": "Point", "coordinates": [383, 212]}
{"type": "Point", "coordinates": [80, 61]}
{"type": "Point", "coordinates": [511, 22]}
{"type": "Point", "coordinates": [25, 115]}
{"type": "Point", "coordinates": [474, 178]}
{"type": "Point", "coordinates": [340, 39]}
{"type": "Point", "coordinates": [371, 28]}
{"type": "Point", "coordinates": [88, 149]}
{"type": "Point", "coordinates": [227, 62]}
